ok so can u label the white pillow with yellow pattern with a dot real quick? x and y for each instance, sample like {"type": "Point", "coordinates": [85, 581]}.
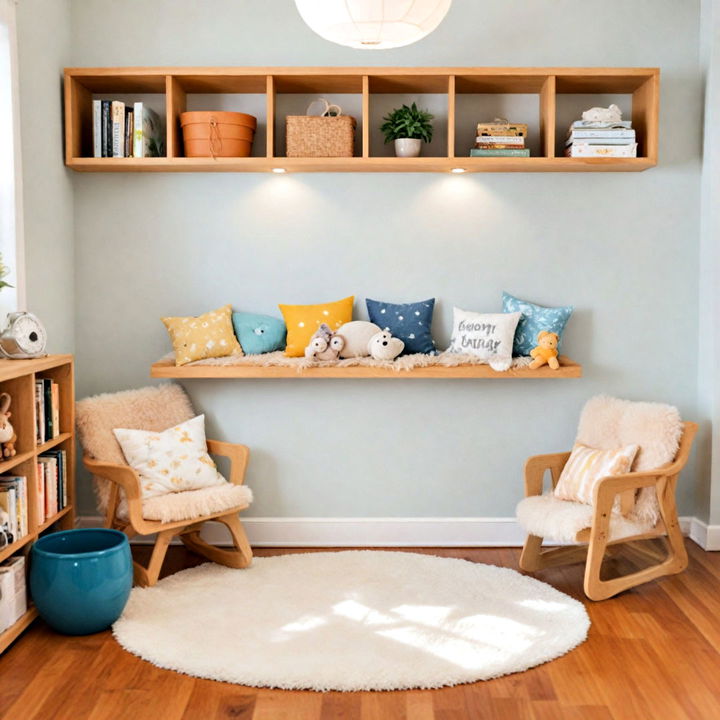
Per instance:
{"type": "Point", "coordinates": [170, 461]}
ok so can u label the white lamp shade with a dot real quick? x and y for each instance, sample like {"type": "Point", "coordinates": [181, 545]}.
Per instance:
{"type": "Point", "coordinates": [373, 24]}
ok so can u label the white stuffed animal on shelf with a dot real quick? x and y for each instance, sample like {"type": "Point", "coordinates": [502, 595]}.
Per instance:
{"type": "Point", "coordinates": [383, 346]}
{"type": "Point", "coordinates": [600, 114]}
{"type": "Point", "coordinates": [324, 344]}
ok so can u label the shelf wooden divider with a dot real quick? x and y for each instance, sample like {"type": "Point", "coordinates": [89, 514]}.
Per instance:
{"type": "Point", "coordinates": [270, 113]}
{"type": "Point", "coordinates": [176, 103]}
{"type": "Point", "coordinates": [168, 369]}
{"type": "Point", "coordinates": [547, 117]}
{"type": "Point", "coordinates": [451, 117]}
{"type": "Point", "coordinates": [366, 116]}
{"type": "Point", "coordinates": [82, 83]}
{"type": "Point", "coordinates": [18, 378]}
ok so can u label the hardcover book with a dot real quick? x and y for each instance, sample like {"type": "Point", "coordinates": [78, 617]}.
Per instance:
{"type": "Point", "coordinates": [149, 132]}
{"type": "Point", "coordinates": [586, 150]}
{"type": "Point", "coordinates": [118, 129]}
{"type": "Point", "coordinates": [509, 152]}
{"type": "Point", "coordinates": [97, 128]}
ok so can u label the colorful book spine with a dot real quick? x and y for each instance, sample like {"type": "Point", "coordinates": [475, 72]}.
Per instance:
{"type": "Point", "coordinates": [106, 129]}
{"type": "Point", "coordinates": [40, 411]}
{"type": "Point", "coordinates": [47, 400]}
{"type": "Point", "coordinates": [40, 476]}
{"type": "Point", "coordinates": [587, 150]}
{"type": "Point", "coordinates": [501, 139]}
{"type": "Point", "coordinates": [8, 504]}
{"type": "Point", "coordinates": [55, 407]}
{"type": "Point", "coordinates": [509, 152]}
{"type": "Point", "coordinates": [118, 129]}
{"type": "Point", "coordinates": [97, 128]}
{"type": "Point", "coordinates": [628, 135]}
{"type": "Point", "coordinates": [128, 145]}
{"type": "Point", "coordinates": [17, 485]}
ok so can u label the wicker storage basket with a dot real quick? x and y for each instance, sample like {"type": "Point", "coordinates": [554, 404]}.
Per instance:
{"type": "Point", "coordinates": [311, 136]}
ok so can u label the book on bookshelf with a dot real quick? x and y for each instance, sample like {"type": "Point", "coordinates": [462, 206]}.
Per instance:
{"type": "Point", "coordinates": [40, 477]}
{"type": "Point", "coordinates": [118, 128]}
{"type": "Point", "coordinates": [518, 140]}
{"type": "Point", "coordinates": [610, 136]}
{"type": "Point", "coordinates": [106, 129]}
{"type": "Point", "coordinates": [47, 409]}
{"type": "Point", "coordinates": [587, 151]}
{"type": "Point", "coordinates": [596, 124]}
{"type": "Point", "coordinates": [13, 591]}
{"type": "Point", "coordinates": [14, 501]}
{"type": "Point", "coordinates": [129, 130]}
{"type": "Point", "coordinates": [149, 133]}
{"type": "Point", "coordinates": [54, 473]}
{"type": "Point", "coordinates": [97, 129]}
{"type": "Point", "coordinates": [507, 152]}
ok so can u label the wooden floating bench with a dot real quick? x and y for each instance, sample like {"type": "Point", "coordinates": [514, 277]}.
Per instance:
{"type": "Point", "coordinates": [168, 369]}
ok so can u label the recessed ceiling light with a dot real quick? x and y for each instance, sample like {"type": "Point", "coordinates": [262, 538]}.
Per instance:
{"type": "Point", "coordinates": [279, 171]}
{"type": "Point", "coordinates": [457, 171]}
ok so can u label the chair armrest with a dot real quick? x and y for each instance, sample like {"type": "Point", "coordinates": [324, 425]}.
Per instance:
{"type": "Point", "coordinates": [238, 455]}
{"type": "Point", "coordinates": [535, 468]}
{"type": "Point", "coordinates": [126, 478]}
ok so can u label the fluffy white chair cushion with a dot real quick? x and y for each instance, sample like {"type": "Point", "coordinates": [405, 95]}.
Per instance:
{"type": "Point", "coordinates": [195, 503]}
{"type": "Point", "coordinates": [607, 423]}
{"type": "Point", "coordinates": [561, 520]}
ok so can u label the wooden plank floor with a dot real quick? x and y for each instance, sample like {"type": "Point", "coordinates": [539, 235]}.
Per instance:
{"type": "Point", "coordinates": [653, 654]}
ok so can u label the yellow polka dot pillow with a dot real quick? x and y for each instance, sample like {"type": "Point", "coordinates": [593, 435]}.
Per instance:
{"type": "Point", "coordinates": [207, 336]}
{"type": "Point", "coordinates": [303, 320]}
{"type": "Point", "coordinates": [586, 466]}
{"type": "Point", "coordinates": [171, 461]}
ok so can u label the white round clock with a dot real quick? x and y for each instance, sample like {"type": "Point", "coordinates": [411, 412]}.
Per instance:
{"type": "Point", "coordinates": [24, 336]}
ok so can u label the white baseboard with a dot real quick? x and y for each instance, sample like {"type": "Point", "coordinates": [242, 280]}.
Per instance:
{"type": "Point", "coordinates": [397, 532]}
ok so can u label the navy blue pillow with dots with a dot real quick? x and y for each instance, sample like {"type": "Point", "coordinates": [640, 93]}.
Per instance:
{"type": "Point", "coordinates": [411, 322]}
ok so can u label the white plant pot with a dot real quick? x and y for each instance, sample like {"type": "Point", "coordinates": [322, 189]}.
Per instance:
{"type": "Point", "coordinates": [408, 147]}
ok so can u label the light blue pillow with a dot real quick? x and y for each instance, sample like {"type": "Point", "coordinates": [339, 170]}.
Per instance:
{"type": "Point", "coordinates": [411, 322]}
{"type": "Point", "coordinates": [534, 319]}
{"type": "Point", "coordinates": [259, 333]}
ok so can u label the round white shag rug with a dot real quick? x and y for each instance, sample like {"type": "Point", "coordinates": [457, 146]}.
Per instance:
{"type": "Point", "coordinates": [355, 620]}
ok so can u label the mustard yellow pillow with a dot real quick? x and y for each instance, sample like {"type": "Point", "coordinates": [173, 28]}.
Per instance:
{"type": "Point", "coordinates": [207, 336]}
{"type": "Point", "coordinates": [303, 320]}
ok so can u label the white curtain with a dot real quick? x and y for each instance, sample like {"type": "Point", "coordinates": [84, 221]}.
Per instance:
{"type": "Point", "coordinates": [11, 245]}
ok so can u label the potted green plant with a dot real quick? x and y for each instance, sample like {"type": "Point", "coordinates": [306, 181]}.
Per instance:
{"type": "Point", "coordinates": [408, 127]}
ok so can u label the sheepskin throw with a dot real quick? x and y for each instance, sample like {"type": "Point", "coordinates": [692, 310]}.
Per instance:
{"type": "Point", "coordinates": [607, 423]}
{"type": "Point", "coordinates": [151, 408]}
{"type": "Point", "coordinates": [194, 503]}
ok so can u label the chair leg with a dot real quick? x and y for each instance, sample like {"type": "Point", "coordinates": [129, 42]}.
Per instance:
{"type": "Point", "coordinates": [147, 577]}
{"type": "Point", "coordinates": [675, 562]}
{"type": "Point", "coordinates": [534, 558]}
{"type": "Point", "coordinates": [239, 557]}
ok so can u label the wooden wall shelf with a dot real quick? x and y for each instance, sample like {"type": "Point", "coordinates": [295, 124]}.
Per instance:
{"type": "Point", "coordinates": [168, 369]}
{"type": "Point", "coordinates": [174, 85]}
{"type": "Point", "coordinates": [18, 378]}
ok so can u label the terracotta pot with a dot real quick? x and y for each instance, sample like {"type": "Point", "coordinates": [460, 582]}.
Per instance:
{"type": "Point", "coordinates": [217, 134]}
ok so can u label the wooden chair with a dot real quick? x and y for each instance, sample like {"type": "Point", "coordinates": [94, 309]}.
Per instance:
{"type": "Point", "coordinates": [94, 427]}
{"type": "Point", "coordinates": [595, 539]}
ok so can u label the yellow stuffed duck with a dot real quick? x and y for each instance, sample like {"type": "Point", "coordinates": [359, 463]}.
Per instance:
{"type": "Point", "coordinates": [546, 350]}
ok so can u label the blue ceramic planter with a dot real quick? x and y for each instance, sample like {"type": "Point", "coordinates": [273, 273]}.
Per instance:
{"type": "Point", "coordinates": [80, 580]}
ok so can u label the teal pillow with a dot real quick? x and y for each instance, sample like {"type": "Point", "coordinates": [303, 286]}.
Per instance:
{"type": "Point", "coordinates": [534, 319]}
{"type": "Point", "coordinates": [259, 333]}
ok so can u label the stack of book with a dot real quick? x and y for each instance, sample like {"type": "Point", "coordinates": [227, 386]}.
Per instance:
{"type": "Point", "coordinates": [587, 138]}
{"type": "Point", "coordinates": [14, 507]}
{"type": "Point", "coordinates": [121, 130]}
{"type": "Point", "coordinates": [47, 409]}
{"type": "Point", "coordinates": [500, 139]}
{"type": "Point", "coordinates": [51, 483]}
{"type": "Point", "coordinates": [13, 592]}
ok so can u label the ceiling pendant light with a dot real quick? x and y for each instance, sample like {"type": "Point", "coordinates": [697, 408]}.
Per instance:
{"type": "Point", "coordinates": [373, 24]}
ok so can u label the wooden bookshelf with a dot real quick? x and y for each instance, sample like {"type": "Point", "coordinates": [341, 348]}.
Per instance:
{"type": "Point", "coordinates": [168, 369]}
{"type": "Point", "coordinates": [547, 85]}
{"type": "Point", "coordinates": [18, 378]}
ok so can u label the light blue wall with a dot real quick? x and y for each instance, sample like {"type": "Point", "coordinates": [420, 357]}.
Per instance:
{"type": "Point", "coordinates": [43, 28]}
{"type": "Point", "coordinates": [623, 248]}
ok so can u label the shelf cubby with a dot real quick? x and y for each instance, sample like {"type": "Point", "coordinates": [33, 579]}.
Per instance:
{"type": "Point", "coordinates": [547, 99]}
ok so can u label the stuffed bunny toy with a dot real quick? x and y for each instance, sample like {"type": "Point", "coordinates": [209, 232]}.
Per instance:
{"type": "Point", "coordinates": [8, 438]}
{"type": "Point", "coordinates": [324, 345]}
{"type": "Point", "coordinates": [383, 346]}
